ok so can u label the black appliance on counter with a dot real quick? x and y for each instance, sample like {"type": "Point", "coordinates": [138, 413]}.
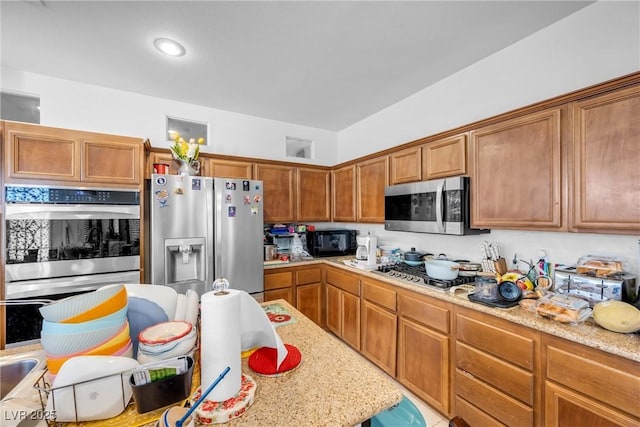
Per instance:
{"type": "Point", "coordinates": [335, 242]}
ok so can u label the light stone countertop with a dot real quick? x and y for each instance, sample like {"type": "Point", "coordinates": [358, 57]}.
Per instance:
{"type": "Point", "coordinates": [332, 386]}
{"type": "Point", "coordinates": [588, 333]}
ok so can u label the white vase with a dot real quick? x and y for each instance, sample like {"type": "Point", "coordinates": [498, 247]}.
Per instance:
{"type": "Point", "coordinates": [189, 168]}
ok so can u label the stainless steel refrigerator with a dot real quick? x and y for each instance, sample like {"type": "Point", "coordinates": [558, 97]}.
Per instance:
{"type": "Point", "coordinates": [205, 228]}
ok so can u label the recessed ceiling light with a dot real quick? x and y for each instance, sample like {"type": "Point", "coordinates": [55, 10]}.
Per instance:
{"type": "Point", "coordinates": [169, 47]}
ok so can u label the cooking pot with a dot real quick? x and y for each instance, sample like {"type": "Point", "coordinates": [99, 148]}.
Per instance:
{"type": "Point", "coordinates": [441, 269]}
{"type": "Point", "coordinates": [413, 257]}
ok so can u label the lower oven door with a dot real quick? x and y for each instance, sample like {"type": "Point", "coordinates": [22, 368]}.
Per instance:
{"type": "Point", "coordinates": [23, 319]}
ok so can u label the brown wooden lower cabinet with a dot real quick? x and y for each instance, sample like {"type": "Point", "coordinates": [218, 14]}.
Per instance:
{"type": "Point", "coordinates": [496, 367]}
{"type": "Point", "coordinates": [309, 301]}
{"type": "Point", "coordinates": [278, 284]}
{"type": "Point", "coordinates": [379, 328]}
{"type": "Point", "coordinates": [589, 386]}
{"type": "Point", "coordinates": [424, 349]}
{"type": "Point", "coordinates": [343, 306]}
{"type": "Point", "coordinates": [480, 367]}
{"type": "Point", "coordinates": [565, 408]}
{"type": "Point", "coordinates": [285, 294]}
{"type": "Point", "coordinates": [300, 286]}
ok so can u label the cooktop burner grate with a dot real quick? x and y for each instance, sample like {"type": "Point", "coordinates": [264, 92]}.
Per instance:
{"type": "Point", "coordinates": [418, 274]}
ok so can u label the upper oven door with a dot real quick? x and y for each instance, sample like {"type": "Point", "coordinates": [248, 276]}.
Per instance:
{"type": "Point", "coordinates": [55, 238]}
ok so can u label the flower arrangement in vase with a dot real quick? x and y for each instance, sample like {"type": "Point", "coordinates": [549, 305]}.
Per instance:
{"type": "Point", "coordinates": [186, 153]}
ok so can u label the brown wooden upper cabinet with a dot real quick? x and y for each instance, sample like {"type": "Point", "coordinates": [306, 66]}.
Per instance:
{"type": "Point", "coordinates": [343, 186]}
{"type": "Point", "coordinates": [278, 191]}
{"type": "Point", "coordinates": [313, 187]}
{"type": "Point", "coordinates": [445, 157]}
{"type": "Point", "coordinates": [53, 154]}
{"type": "Point", "coordinates": [406, 165]}
{"type": "Point", "coordinates": [606, 162]}
{"type": "Point", "coordinates": [516, 180]}
{"type": "Point", "coordinates": [229, 168]}
{"type": "Point", "coordinates": [371, 178]}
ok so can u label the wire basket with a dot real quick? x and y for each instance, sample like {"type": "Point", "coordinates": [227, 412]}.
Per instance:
{"type": "Point", "coordinates": [65, 400]}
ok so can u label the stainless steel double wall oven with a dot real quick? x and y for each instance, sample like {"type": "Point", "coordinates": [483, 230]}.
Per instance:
{"type": "Point", "coordinates": [65, 241]}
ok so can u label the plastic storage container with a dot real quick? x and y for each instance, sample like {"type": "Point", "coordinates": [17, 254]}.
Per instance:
{"type": "Point", "coordinates": [486, 288]}
{"type": "Point", "coordinates": [563, 308]}
{"type": "Point", "coordinates": [164, 392]}
{"type": "Point", "coordinates": [296, 248]}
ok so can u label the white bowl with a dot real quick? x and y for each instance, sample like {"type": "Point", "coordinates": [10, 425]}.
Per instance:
{"type": "Point", "coordinates": [165, 332]}
{"type": "Point", "coordinates": [164, 296]}
{"type": "Point", "coordinates": [105, 394]}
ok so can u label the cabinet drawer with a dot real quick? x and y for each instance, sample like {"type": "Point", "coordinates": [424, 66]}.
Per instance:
{"type": "Point", "coordinates": [474, 416]}
{"type": "Point", "coordinates": [278, 280]}
{"type": "Point", "coordinates": [343, 281]}
{"type": "Point", "coordinates": [496, 340]}
{"type": "Point", "coordinates": [609, 379]}
{"type": "Point", "coordinates": [431, 315]}
{"type": "Point", "coordinates": [500, 406]}
{"type": "Point", "coordinates": [309, 275]}
{"type": "Point", "coordinates": [379, 295]}
{"type": "Point", "coordinates": [512, 380]}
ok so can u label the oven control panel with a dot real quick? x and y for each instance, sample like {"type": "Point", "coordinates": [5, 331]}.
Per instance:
{"type": "Point", "coordinates": [15, 194]}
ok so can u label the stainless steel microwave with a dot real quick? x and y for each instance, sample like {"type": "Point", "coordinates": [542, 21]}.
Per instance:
{"type": "Point", "coordinates": [438, 206]}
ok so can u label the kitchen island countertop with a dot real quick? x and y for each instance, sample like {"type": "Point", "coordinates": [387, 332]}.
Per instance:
{"type": "Point", "coordinates": [333, 385]}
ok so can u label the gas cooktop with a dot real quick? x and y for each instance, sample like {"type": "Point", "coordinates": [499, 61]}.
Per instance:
{"type": "Point", "coordinates": [417, 274]}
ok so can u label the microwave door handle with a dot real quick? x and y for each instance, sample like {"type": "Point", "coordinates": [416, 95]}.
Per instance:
{"type": "Point", "coordinates": [439, 206]}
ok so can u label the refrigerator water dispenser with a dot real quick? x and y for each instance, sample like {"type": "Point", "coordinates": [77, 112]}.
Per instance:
{"type": "Point", "coordinates": [185, 260]}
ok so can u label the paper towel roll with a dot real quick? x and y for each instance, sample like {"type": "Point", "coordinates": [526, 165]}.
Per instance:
{"type": "Point", "coordinates": [220, 343]}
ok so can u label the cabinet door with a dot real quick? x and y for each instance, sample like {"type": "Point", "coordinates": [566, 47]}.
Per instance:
{"type": "Point", "coordinates": [447, 157]}
{"type": "Point", "coordinates": [309, 301]}
{"type": "Point", "coordinates": [406, 166]}
{"type": "Point", "coordinates": [313, 189]}
{"type": "Point", "coordinates": [285, 294]}
{"type": "Point", "coordinates": [38, 152]}
{"type": "Point", "coordinates": [372, 177]}
{"type": "Point", "coordinates": [516, 181]}
{"type": "Point", "coordinates": [334, 310]}
{"type": "Point", "coordinates": [278, 192]}
{"type": "Point", "coordinates": [229, 169]}
{"type": "Point", "coordinates": [113, 159]}
{"type": "Point", "coordinates": [423, 363]}
{"type": "Point", "coordinates": [351, 319]}
{"type": "Point", "coordinates": [379, 336]}
{"type": "Point", "coordinates": [606, 189]}
{"type": "Point", "coordinates": [564, 408]}
{"type": "Point", "coordinates": [343, 183]}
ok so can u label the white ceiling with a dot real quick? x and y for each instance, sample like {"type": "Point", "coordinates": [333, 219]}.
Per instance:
{"type": "Point", "coordinates": [325, 64]}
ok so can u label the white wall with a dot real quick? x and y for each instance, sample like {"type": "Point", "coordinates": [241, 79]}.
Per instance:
{"type": "Point", "coordinates": [595, 44]}
{"type": "Point", "coordinates": [73, 105]}
{"type": "Point", "coordinates": [598, 43]}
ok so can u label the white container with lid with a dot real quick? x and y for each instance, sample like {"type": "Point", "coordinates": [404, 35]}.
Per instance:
{"type": "Point", "coordinates": [296, 248]}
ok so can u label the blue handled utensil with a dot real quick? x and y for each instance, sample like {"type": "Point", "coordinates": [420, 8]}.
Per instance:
{"type": "Point", "coordinates": [204, 395]}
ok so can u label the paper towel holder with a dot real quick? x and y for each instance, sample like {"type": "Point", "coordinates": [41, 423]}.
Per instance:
{"type": "Point", "coordinates": [220, 286]}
